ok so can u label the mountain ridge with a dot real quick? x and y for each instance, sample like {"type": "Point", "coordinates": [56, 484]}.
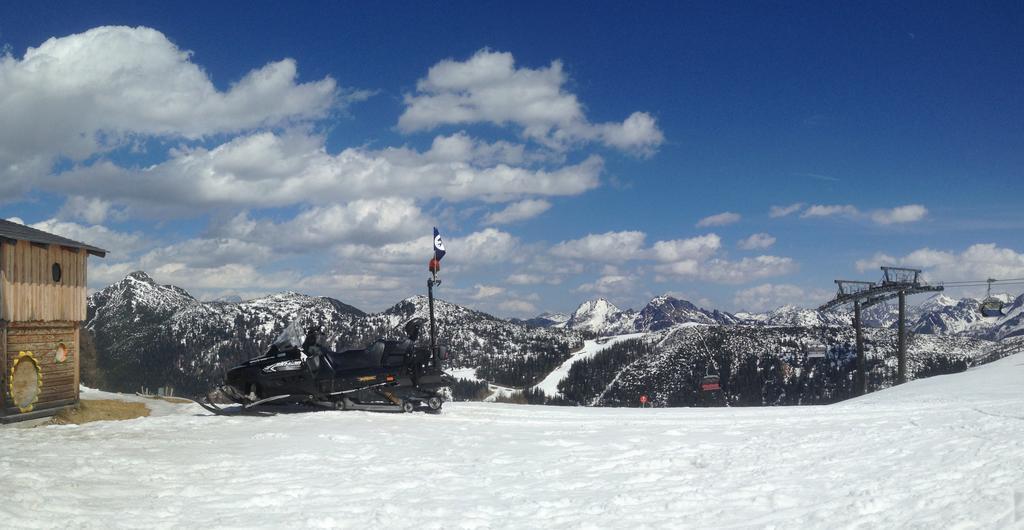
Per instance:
{"type": "Point", "coordinates": [151, 335]}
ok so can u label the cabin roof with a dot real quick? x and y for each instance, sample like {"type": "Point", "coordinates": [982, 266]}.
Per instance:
{"type": "Point", "coordinates": [13, 231]}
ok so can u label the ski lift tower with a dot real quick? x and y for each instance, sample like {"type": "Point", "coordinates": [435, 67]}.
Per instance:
{"type": "Point", "coordinates": [897, 282]}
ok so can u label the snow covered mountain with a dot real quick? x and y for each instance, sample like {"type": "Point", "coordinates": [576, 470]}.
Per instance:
{"type": "Point", "coordinates": [665, 311]}
{"type": "Point", "coordinates": [477, 339]}
{"type": "Point", "coordinates": [155, 335]}
{"type": "Point", "coordinates": [601, 317]}
{"type": "Point", "coordinates": [882, 315]}
{"type": "Point", "coordinates": [545, 320]}
{"type": "Point", "coordinates": [136, 297]}
{"type": "Point", "coordinates": [938, 314]}
{"type": "Point", "coordinates": [746, 317]}
{"type": "Point", "coordinates": [886, 314]}
{"type": "Point", "coordinates": [790, 315]}
{"type": "Point", "coordinates": [1011, 325]}
{"type": "Point", "coordinates": [759, 365]}
{"type": "Point", "coordinates": [951, 316]}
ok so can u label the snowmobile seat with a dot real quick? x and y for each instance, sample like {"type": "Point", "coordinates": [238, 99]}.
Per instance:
{"type": "Point", "coordinates": [380, 354]}
{"type": "Point", "coordinates": [356, 359]}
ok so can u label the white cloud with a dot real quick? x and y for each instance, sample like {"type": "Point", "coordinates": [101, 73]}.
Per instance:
{"type": "Point", "coordinates": [518, 307]}
{"type": "Point", "coordinates": [269, 170]}
{"type": "Point", "coordinates": [206, 253]}
{"type": "Point", "coordinates": [208, 268]}
{"type": "Point", "coordinates": [117, 243]}
{"type": "Point", "coordinates": [104, 272]}
{"type": "Point", "coordinates": [488, 87]}
{"type": "Point", "coordinates": [486, 291]}
{"type": "Point", "coordinates": [484, 247]}
{"type": "Point", "coordinates": [695, 248]}
{"type": "Point", "coordinates": [460, 147]}
{"type": "Point", "coordinates": [722, 270]}
{"type": "Point", "coordinates": [606, 247]}
{"type": "Point", "coordinates": [692, 258]}
{"type": "Point", "coordinates": [339, 283]}
{"type": "Point", "coordinates": [195, 264]}
{"type": "Point", "coordinates": [901, 214]}
{"type": "Point", "coordinates": [783, 211]}
{"type": "Point", "coordinates": [876, 261]}
{"type": "Point", "coordinates": [819, 210]}
{"type": "Point", "coordinates": [748, 269]}
{"type": "Point", "coordinates": [531, 279]}
{"type": "Point", "coordinates": [92, 92]}
{"type": "Point", "coordinates": [757, 241]}
{"type": "Point", "coordinates": [610, 284]}
{"type": "Point", "coordinates": [91, 210]}
{"type": "Point", "coordinates": [518, 211]}
{"type": "Point", "coordinates": [683, 267]}
{"type": "Point", "coordinates": [370, 221]}
{"type": "Point", "coordinates": [976, 262]}
{"type": "Point", "coordinates": [638, 132]}
{"type": "Point", "coordinates": [720, 219]}
{"type": "Point", "coordinates": [222, 277]}
{"type": "Point", "coordinates": [770, 296]}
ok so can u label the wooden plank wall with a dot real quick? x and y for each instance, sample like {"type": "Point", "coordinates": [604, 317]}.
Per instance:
{"type": "Point", "coordinates": [60, 380]}
{"type": "Point", "coordinates": [3, 364]}
{"type": "Point", "coordinates": [78, 366]}
{"type": "Point", "coordinates": [27, 290]}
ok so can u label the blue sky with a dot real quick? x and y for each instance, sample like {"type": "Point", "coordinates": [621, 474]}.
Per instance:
{"type": "Point", "coordinates": [738, 156]}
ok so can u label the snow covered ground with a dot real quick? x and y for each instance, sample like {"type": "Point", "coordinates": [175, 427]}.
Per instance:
{"type": "Point", "coordinates": [936, 453]}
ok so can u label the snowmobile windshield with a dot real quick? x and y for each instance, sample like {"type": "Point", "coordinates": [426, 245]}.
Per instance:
{"type": "Point", "coordinates": [291, 338]}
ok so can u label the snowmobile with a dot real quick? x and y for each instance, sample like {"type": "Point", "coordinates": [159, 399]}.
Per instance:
{"type": "Point", "coordinates": [388, 375]}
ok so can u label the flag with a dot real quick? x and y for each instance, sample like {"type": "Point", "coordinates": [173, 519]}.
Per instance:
{"type": "Point", "coordinates": [438, 246]}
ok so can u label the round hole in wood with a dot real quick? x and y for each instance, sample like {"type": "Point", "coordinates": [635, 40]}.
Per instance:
{"type": "Point", "coordinates": [56, 272]}
{"type": "Point", "coordinates": [61, 355]}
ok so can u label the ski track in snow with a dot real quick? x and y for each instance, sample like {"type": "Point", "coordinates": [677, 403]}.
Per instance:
{"type": "Point", "coordinates": [590, 348]}
{"type": "Point", "coordinates": [936, 453]}
{"type": "Point", "coordinates": [468, 374]}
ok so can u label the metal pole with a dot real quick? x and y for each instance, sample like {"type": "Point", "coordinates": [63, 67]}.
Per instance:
{"type": "Point", "coordinates": [902, 340]}
{"type": "Point", "coordinates": [433, 325]}
{"type": "Point", "coordinates": [861, 384]}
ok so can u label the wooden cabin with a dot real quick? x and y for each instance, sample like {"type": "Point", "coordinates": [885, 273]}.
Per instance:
{"type": "Point", "coordinates": [42, 306]}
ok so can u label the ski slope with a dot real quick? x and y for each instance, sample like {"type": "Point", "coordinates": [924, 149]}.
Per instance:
{"type": "Point", "coordinates": [945, 452]}
{"type": "Point", "coordinates": [590, 348]}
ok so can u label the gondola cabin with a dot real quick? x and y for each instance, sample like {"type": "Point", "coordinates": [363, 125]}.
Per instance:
{"type": "Point", "coordinates": [42, 305]}
{"type": "Point", "coordinates": [816, 350]}
{"type": "Point", "coordinates": [710, 383]}
{"type": "Point", "coordinates": [991, 306]}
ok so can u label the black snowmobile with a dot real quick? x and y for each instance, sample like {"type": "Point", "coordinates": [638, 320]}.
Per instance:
{"type": "Point", "coordinates": [388, 375]}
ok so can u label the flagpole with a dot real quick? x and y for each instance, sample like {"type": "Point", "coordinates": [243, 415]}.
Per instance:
{"type": "Point", "coordinates": [433, 326]}
{"type": "Point", "coordinates": [434, 267]}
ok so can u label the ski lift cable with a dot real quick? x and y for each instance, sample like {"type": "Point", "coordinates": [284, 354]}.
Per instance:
{"type": "Point", "coordinates": [706, 349]}
{"type": "Point", "coordinates": [974, 283]}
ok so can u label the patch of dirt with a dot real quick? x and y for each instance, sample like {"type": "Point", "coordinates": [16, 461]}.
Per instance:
{"type": "Point", "coordinates": [168, 399]}
{"type": "Point", "coordinates": [89, 410]}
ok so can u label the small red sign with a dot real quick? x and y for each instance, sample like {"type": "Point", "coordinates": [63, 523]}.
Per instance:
{"type": "Point", "coordinates": [643, 399]}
